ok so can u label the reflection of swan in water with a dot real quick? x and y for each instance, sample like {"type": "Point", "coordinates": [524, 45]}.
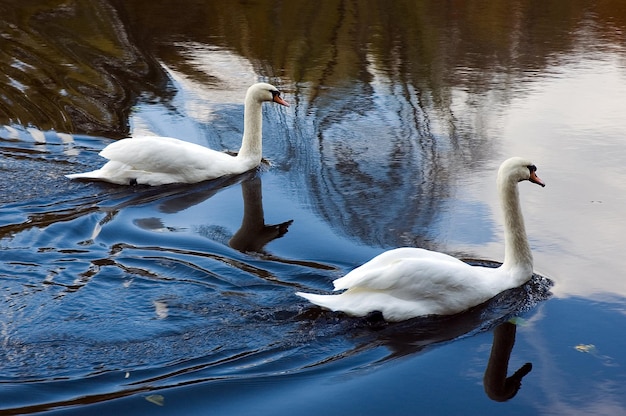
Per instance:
{"type": "Point", "coordinates": [154, 160]}
{"type": "Point", "coordinates": [254, 234]}
{"type": "Point", "coordinates": [497, 385]}
{"type": "Point", "coordinates": [408, 282]}
{"type": "Point", "coordinates": [172, 198]}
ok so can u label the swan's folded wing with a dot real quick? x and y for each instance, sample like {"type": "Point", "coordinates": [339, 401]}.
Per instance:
{"type": "Point", "coordinates": [418, 279]}
{"type": "Point", "coordinates": [159, 154]}
{"type": "Point", "coordinates": [402, 263]}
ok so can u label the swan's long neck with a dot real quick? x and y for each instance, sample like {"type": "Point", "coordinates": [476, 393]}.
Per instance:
{"type": "Point", "coordinates": [251, 145]}
{"type": "Point", "coordinates": [517, 255]}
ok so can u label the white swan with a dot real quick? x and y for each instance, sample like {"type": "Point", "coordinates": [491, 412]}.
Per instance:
{"type": "Point", "coordinates": [153, 160]}
{"type": "Point", "coordinates": [409, 282]}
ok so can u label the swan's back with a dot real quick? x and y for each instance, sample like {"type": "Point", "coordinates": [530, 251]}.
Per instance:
{"type": "Point", "coordinates": [374, 273]}
{"type": "Point", "coordinates": [166, 155]}
{"type": "Point", "coordinates": [155, 160]}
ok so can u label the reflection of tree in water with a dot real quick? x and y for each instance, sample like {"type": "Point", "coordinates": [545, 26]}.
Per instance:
{"type": "Point", "coordinates": [376, 167]}
{"type": "Point", "coordinates": [79, 66]}
{"type": "Point", "coordinates": [71, 67]}
{"type": "Point", "coordinates": [389, 96]}
{"type": "Point", "coordinates": [391, 135]}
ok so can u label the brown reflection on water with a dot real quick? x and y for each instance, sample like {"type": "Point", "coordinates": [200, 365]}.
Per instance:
{"type": "Point", "coordinates": [70, 66]}
{"type": "Point", "coordinates": [80, 66]}
{"type": "Point", "coordinates": [393, 100]}
{"type": "Point", "coordinates": [327, 43]}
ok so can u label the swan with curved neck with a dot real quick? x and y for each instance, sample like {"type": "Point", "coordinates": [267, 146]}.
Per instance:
{"type": "Point", "coordinates": [409, 282]}
{"type": "Point", "coordinates": [155, 160]}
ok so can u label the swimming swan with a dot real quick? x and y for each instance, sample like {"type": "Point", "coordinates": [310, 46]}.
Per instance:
{"type": "Point", "coordinates": [409, 282]}
{"type": "Point", "coordinates": [154, 160]}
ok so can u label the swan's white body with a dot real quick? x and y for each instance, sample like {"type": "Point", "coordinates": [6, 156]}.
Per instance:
{"type": "Point", "coordinates": [153, 160]}
{"type": "Point", "coordinates": [409, 282]}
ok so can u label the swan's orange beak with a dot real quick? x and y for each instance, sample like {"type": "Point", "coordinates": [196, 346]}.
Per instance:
{"type": "Point", "coordinates": [535, 179]}
{"type": "Point", "coordinates": [280, 101]}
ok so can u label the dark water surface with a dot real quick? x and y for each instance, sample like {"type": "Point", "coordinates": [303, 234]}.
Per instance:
{"type": "Point", "coordinates": [180, 299]}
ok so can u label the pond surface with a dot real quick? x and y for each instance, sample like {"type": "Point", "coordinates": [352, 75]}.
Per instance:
{"type": "Point", "coordinates": [180, 299]}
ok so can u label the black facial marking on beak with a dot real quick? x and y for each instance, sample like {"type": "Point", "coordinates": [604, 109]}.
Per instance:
{"type": "Point", "coordinates": [533, 176]}
{"type": "Point", "coordinates": [276, 98]}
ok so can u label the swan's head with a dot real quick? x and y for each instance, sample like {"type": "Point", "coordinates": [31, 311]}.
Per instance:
{"type": "Point", "coordinates": [518, 169]}
{"type": "Point", "coordinates": [265, 92]}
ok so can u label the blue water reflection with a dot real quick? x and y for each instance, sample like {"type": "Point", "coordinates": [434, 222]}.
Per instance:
{"type": "Point", "coordinates": [180, 299]}
{"type": "Point", "coordinates": [146, 288]}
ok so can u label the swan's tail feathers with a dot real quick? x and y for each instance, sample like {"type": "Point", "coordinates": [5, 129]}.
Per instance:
{"type": "Point", "coordinates": [326, 301]}
{"type": "Point", "coordinates": [113, 172]}
{"type": "Point", "coordinates": [93, 175]}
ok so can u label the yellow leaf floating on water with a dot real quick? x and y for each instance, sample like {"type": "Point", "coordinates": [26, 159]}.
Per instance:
{"type": "Point", "coordinates": [593, 351]}
{"type": "Point", "coordinates": [588, 348]}
{"type": "Point", "coordinates": [156, 399]}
